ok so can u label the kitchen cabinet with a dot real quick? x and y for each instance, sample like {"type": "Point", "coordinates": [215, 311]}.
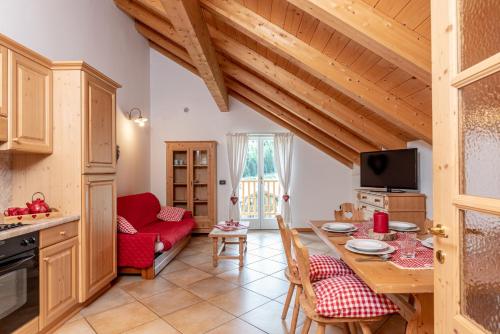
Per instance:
{"type": "Point", "coordinates": [58, 280]}
{"type": "Point", "coordinates": [98, 233]}
{"type": "Point", "coordinates": [25, 100]}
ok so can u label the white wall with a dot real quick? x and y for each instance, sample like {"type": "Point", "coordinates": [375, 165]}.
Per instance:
{"type": "Point", "coordinates": [99, 33]}
{"type": "Point", "coordinates": [319, 182]}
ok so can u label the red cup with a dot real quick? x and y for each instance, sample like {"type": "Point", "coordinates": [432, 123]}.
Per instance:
{"type": "Point", "coordinates": [380, 222]}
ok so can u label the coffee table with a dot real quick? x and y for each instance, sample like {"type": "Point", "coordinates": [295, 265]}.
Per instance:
{"type": "Point", "coordinates": [240, 234]}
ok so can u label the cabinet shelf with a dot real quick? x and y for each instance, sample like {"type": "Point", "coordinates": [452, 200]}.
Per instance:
{"type": "Point", "coordinates": [201, 166]}
{"type": "Point", "coordinates": [180, 184]}
{"type": "Point", "coordinates": [200, 184]}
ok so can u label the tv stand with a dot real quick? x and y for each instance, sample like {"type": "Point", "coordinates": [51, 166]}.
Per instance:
{"type": "Point", "coordinates": [390, 190]}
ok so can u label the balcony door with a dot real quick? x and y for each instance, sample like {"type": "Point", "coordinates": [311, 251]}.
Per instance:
{"type": "Point", "coordinates": [259, 188]}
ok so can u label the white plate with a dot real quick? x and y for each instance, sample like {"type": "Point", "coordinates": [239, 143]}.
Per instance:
{"type": "Point", "coordinates": [416, 229]}
{"type": "Point", "coordinates": [368, 245]}
{"type": "Point", "coordinates": [386, 251]}
{"type": "Point", "coordinates": [398, 225]}
{"type": "Point", "coordinates": [338, 227]}
{"type": "Point", "coordinates": [429, 243]}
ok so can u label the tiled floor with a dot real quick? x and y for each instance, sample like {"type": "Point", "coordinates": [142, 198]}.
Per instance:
{"type": "Point", "coordinates": [191, 296]}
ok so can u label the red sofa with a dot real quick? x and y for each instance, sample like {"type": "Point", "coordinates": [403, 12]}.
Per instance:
{"type": "Point", "coordinates": [136, 252]}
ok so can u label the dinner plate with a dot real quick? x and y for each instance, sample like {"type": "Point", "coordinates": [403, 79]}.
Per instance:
{"type": "Point", "coordinates": [389, 250]}
{"type": "Point", "coordinates": [399, 226]}
{"type": "Point", "coordinates": [429, 243]}
{"type": "Point", "coordinates": [338, 227]}
{"type": "Point", "coordinates": [416, 229]}
{"type": "Point", "coordinates": [368, 245]}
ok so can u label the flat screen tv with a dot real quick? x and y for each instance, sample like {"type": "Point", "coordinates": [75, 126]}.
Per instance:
{"type": "Point", "coordinates": [391, 169]}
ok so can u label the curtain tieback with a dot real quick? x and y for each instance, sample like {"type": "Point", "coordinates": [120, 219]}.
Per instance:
{"type": "Point", "coordinates": [234, 199]}
{"type": "Point", "coordinates": [286, 197]}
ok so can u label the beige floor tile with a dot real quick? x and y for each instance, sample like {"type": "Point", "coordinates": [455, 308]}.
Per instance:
{"type": "Point", "coordinates": [171, 301]}
{"type": "Point", "coordinates": [277, 246]}
{"type": "Point", "coordinates": [236, 326]}
{"type": "Point", "coordinates": [268, 286]}
{"type": "Point", "coordinates": [268, 318]}
{"type": "Point", "coordinates": [113, 298]}
{"type": "Point", "coordinates": [79, 326]}
{"type": "Point", "coordinates": [241, 276]}
{"type": "Point", "coordinates": [173, 266]}
{"type": "Point", "coordinates": [158, 326]}
{"type": "Point", "coordinates": [281, 275]}
{"type": "Point", "coordinates": [222, 266]}
{"type": "Point", "coordinates": [77, 316]}
{"type": "Point", "coordinates": [265, 252]}
{"type": "Point", "coordinates": [123, 280]}
{"type": "Point", "coordinates": [186, 277]}
{"type": "Point", "coordinates": [253, 246]}
{"type": "Point", "coordinates": [198, 318]}
{"type": "Point", "coordinates": [313, 251]}
{"type": "Point", "coordinates": [196, 259]}
{"type": "Point", "coordinates": [239, 301]}
{"type": "Point", "coordinates": [281, 258]}
{"type": "Point", "coordinates": [247, 258]}
{"type": "Point", "coordinates": [190, 251]}
{"type": "Point", "coordinates": [319, 245]}
{"type": "Point", "coordinates": [330, 329]}
{"type": "Point", "coordinates": [266, 266]}
{"type": "Point", "coordinates": [147, 288]}
{"type": "Point", "coordinates": [211, 287]}
{"type": "Point", "coordinates": [120, 319]}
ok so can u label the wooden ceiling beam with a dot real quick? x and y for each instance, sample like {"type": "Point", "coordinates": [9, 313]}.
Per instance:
{"type": "Point", "coordinates": [379, 33]}
{"type": "Point", "coordinates": [294, 106]}
{"type": "Point", "coordinates": [322, 67]}
{"type": "Point", "coordinates": [305, 92]}
{"type": "Point", "coordinates": [187, 19]}
{"type": "Point", "coordinates": [160, 40]}
{"type": "Point", "coordinates": [281, 117]}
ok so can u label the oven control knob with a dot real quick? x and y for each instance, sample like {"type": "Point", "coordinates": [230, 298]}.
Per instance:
{"type": "Point", "coordinates": [25, 242]}
{"type": "Point", "coordinates": [32, 240]}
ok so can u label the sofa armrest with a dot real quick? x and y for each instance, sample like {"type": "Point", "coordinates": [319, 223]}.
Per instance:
{"type": "Point", "coordinates": [187, 214]}
{"type": "Point", "coordinates": [136, 250]}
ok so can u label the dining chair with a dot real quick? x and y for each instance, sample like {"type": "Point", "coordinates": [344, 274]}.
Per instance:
{"type": "Point", "coordinates": [336, 293]}
{"type": "Point", "coordinates": [348, 212]}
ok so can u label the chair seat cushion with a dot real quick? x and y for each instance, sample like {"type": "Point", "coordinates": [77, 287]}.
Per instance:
{"type": "Point", "coordinates": [349, 297]}
{"type": "Point", "coordinates": [324, 266]}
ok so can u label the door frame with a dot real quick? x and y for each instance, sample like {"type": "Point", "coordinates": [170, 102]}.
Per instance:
{"type": "Point", "coordinates": [447, 164]}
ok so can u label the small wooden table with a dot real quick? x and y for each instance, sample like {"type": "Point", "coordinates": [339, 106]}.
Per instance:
{"type": "Point", "coordinates": [240, 234]}
{"type": "Point", "coordinates": [395, 283]}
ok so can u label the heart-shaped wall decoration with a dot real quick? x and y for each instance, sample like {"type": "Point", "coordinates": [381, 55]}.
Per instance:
{"type": "Point", "coordinates": [286, 197]}
{"type": "Point", "coordinates": [234, 199]}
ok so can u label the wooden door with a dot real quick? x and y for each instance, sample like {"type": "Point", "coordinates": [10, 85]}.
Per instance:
{"type": "Point", "coordinates": [99, 126]}
{"type": "Point", "coordinates": [58, 280]}
{"type": "Point", "coordinates": [98, 234]}
{"type": "Point", "coordinates": [466, 146]}
{"type": "Point", "coordinates": [3, 93]}
{"type": "Point", "coordinates": [30, 105]}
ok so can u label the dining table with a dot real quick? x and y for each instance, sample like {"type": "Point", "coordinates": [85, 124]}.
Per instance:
{"type": "Point", "coordinates": [411, 289]}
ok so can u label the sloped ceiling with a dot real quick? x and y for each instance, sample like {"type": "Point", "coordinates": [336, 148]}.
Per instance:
{"type": "Point", "coordinates": [347, 76]}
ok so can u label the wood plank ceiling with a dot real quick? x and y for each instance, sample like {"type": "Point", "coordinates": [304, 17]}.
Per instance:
{"type": "Point", "coordinates": [348, 76]}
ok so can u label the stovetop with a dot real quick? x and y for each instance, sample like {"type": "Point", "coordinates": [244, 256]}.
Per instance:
{"type": "Point", "coordinates": [5, 227]}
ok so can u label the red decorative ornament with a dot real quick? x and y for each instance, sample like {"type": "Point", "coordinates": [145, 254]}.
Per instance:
{"type": "Point", "coordinates": [286, 197]}
{"type": "Point", "coordinates": [234, 199]}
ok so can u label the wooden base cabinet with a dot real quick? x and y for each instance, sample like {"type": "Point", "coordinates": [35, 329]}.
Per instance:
{"type": "Point", "coordinates": [58, 280]}
{"type": "Point", "coordinates": [98, 233]}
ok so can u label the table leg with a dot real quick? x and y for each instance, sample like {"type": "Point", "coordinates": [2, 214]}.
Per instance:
{"type": "Point", "coordinates": [223, 244]}
{"type": "Point", "coordinates": [215, 242]}
{"type": "Point", "coordinates": [242, 245]}
{"type": "Point", "coordinates": [423, 322]}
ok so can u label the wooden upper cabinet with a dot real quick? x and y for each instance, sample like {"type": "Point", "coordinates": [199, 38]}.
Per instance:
{"type": "Point", "coordinates": [98, 234]}
{"type": "Point", "coordinates": [3, 93]}
{"type": "Point", "coordinates": [99, 125]}
{"type": "Point", "coordinates": [58, 280]}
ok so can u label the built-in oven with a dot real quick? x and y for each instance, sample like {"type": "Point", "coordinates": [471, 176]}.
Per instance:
{"type": "Point", "coordinates": [19, 285]}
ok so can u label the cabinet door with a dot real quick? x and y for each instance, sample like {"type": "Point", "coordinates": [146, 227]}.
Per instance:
{"type": "Point", "coordinates": [30, 107]}
{"type": "Point", "coordinates": [3, 93]}
{"type": "Point", "coordinates": [98, 234]}
{"type": "Point", "coordinates": [58, 280]}
{"type": "Point", "coordinates": [99, 126]}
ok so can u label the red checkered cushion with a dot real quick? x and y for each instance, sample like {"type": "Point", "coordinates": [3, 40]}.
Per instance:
{"type": "Point", "coordinates": [124, 226]}
{"type": "Point", "coordinates": [349, 297]}
{"type": "Point", "coordinates": [324, 266]}
{"type": "Point", "coordinates": [171, 214]}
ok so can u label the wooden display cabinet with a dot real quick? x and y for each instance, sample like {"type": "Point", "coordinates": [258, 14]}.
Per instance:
{"type": "Point", "coordinates": [191, 180]}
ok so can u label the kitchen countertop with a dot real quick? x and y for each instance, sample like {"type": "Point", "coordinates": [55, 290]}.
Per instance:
{"type": "Point", "coordinates": [40, 225]}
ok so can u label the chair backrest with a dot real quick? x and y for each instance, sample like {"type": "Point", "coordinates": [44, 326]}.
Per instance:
{"type": "Point", "coordinates": [302, 259]}
{"type": "Point", "coordinates": [287, 243]}
{"type": "Point", "coordinates": [348, 212]}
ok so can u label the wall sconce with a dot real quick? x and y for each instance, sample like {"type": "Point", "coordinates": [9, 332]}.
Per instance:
{"type": "Point", "coordinates": [141, 121]}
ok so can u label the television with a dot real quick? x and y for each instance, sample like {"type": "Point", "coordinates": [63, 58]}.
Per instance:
{"type": "Point", "coordinates": [391, 169]}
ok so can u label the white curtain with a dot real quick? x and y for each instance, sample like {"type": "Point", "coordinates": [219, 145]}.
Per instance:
{"type": "Point", "coordinates": [283, 151]}
{"type": "Point", "coordinates": [237, 147]}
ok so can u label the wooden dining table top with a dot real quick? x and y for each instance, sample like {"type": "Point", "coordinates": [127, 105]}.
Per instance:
{"type": "Point", "coordinates": [381, 277]}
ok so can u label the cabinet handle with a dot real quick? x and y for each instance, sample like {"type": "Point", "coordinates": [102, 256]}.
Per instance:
{"type": "Point", "coordinates": [46, 259]}
{"type": "Point", "coordinates": [15, 140]}
{"type": "Point", "coordinates": [363, 197]}
{"type": "Point", "coordinates": [377, 200]}
{"type": "Point", "coordinates": [62, 233]}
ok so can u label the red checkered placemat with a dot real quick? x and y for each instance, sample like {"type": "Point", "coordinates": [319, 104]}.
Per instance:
{"type": "Point", "coordinates": [424, 257]}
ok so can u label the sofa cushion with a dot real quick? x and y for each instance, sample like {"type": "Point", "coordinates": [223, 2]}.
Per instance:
{"type": "Point", "coordinates": [140, 209]}
{"type": "Point", "coordinates": [124, 226]}
{"type": "Point", "coordinates": [172, 232]}
{"type": "Point", "coordinates": [171, 214]}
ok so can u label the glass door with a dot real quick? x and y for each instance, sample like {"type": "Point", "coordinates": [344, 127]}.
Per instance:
{"type": "Point", "coordinates": [466, 146]}
{"type": "Point", "coordinates": [199, 183]}
{"type": "Point", "coordinates": [259, 188]}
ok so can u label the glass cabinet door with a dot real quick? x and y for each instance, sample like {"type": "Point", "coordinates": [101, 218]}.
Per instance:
{"type": "Point", "coordinates": [200, 182]}
{"type": "Point", "coordinates": [180, 179]}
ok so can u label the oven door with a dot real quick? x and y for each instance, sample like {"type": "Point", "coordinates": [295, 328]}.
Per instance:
{"type": "Point", "coordinates": [18, 290]}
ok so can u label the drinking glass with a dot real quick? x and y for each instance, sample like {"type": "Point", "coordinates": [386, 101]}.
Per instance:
{"type": "Point", "coordinates": [408, 245]}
